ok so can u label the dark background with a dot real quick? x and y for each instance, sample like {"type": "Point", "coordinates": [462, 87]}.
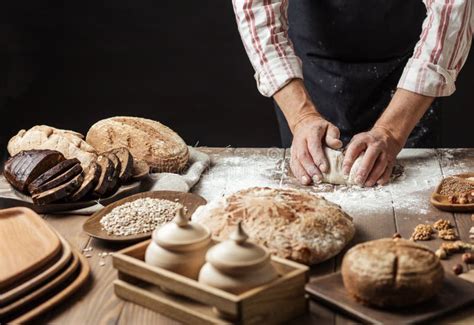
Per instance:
{"type": "Point", "coordinates": [181, 63]}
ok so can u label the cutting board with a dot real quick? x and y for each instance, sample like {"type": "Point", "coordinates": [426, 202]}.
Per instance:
{"type": "Point", "coordinates": [454, 294]}
{"type": "Point", "coordinates": [41, 276]}
{"type": "Point", "coordinates": [9, 197]}
{"type": "Point", "coordinates": [28, 243]}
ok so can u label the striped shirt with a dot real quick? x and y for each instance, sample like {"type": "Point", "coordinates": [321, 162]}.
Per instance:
{"type": "Point", "coordinates": [432, 70]}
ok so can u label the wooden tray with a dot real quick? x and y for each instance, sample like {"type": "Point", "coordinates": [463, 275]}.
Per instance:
{"type": "Point", "coordinates": [27, 244]}
{"type": "Point", "coordinates": [40, 277]}
{"type": "Point", "coordinates": [454, 294]}
{"type": "Point", "coordinates": [78, 279]}
{"type": "Point", "coordinates": [93, 227]}
{"type": "Point", "coordinates": [278, 301]}
{"type": "Point", "coordinates": [41, 292]}
{"type": "Point", "coordinates": [441, 201]}
{"type": "Point", "coordinates": [9, 197]}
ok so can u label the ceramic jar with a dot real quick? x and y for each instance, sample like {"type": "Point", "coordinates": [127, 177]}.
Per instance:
{"type": "Point", "coordinates": [237, 265]}
{"type": "Point", "coordinates": [179, 246]}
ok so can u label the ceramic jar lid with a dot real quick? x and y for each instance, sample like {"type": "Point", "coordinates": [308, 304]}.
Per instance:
{"type": "Point", "coordinates": [181, 233]}
{"type": "Point", "coordinates": [237, 253]}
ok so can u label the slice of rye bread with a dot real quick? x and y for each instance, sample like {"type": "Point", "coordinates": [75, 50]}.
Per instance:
{"type": "Point", "coordinates": [126, 163]}
{"type": "Point", "coordinates": [52, 173]}
{"type": "Point", "coordinates": [106, 173]}
{"type": "Point", "coordinates": [60, 179]}
{"type": "Point", "coordinates": [58, 193]}
{"type": "Point", "coordinates": [23, 168]}
{"type": "Point", "coordinates": [115, 180]}
{"type": "Point", "coordinates": [91, 178]}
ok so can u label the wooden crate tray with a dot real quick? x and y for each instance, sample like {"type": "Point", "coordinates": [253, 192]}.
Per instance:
{"type": "Point", "coordinates": [193, 302]}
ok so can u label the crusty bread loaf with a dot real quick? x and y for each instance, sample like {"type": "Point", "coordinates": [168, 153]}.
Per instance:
{"type": "Point", "coordinates": [291, 223]}
{"type": "Point", "coordinates": [69, 143]}
{"type": "Point", "coordinates": [391, 273]}
{"type": "Point", "coordinates": [147, 140]}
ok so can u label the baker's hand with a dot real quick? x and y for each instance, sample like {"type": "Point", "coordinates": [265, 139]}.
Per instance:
{"type": "Point", "coordinates": [307, 154]}
{"type": "Point", "coordinates": [380, 149]}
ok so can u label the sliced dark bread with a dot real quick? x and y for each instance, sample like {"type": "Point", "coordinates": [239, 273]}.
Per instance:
{"type": "Point", "coordinates": [106, 173]}
{"type": "Point", "coordinates": [91, 178]}
{"type": "Point", "coordinates": [126, 163]}
{"type": "Point", "coordinates": [58, 193]}
{"type": "Point", "coordinates": [60, 179]}
{"type": "Point", "coordinates": [23, 168]}
{"type": "Point", "coordinates": [52, 173]}
{"type": "Point", "coordinates": [115, 180]}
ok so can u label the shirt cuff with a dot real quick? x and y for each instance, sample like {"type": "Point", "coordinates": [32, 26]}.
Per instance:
{"type": "Point", "coordinates": [426, 78]}
{"type": "Point", "coordinates": [277, 73]}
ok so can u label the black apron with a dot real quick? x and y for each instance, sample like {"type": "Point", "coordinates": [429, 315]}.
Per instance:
{"type": "Point", "coordinates": [354, 53]}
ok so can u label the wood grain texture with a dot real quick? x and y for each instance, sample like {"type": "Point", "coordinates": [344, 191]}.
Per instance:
{"type": "Point", "coordinates": [27, 245]}
{"type": "Point", "coordinates": [48, 271]}
{"type": "Point", "coordinates": [373, 213]}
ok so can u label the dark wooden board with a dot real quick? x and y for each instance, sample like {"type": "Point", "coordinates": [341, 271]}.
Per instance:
{"type": "Point", "coordinates": [9, 197]}
{"type": "Point", "coordinates": [454, 294]}
{"type": "Point", "coordinates": [93, 227]}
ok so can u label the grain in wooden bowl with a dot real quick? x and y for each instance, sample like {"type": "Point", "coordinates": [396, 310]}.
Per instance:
{"type": "Point", "coordinates": [455, 193]}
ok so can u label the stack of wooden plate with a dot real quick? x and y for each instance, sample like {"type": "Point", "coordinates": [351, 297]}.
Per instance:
{"type": "Point", "coordinates": [38, 269]}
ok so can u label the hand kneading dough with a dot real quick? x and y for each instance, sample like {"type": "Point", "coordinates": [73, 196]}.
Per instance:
{"type": "Point", "coordinates": [335, 174]}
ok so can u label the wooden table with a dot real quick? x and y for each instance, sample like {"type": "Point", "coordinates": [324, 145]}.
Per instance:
{"type": "Point", "coordinates": [378, 212]}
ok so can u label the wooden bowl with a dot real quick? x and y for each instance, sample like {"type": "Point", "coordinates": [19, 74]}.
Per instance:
{"type": "Point", "coordinates": [441, 201]}
{"type": "Point", "coordinates": [94, 229]}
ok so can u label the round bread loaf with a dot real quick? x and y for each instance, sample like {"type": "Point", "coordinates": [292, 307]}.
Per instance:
{"type": "Point", "coordinates": [291, 223]}
{"type": "Point", "coordinates": [391, 273]}
{"type": "Point", "coordinates": [151, 141]}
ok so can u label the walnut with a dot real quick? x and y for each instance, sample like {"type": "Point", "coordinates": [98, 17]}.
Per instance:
{"type": "Point", "coordinates": [422, 232]}
{"type": "Point", "coordinates": [468, 258]}
{"type": "Point", "coordinates": [455, 247]}
{"type": "Point", "coordinates": [447, 234]}
{"type": "Point", "coordinates": [442, 224]}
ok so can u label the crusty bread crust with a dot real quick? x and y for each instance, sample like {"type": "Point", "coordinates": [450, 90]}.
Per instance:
{"type": "Point", "coordinates": [147, 140]}
{"type": "Point", "coordinates": [291, 223]}
{"type": "Point", "coordinates": [391, 273]}
{"type": "Point", "coordinates": [69, 143]}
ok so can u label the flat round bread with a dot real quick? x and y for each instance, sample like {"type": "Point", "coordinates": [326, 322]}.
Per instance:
{"type": "Point", "coordinates": [291, 223]}
{"type": "Point", "coordinates": [391, 273]}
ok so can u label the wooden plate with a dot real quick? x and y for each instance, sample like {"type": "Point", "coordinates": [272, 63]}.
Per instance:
{"type": "Point", "coordinates": [41, 292]}
{"type": "Point", "coordinates": [9, 197]}
{"type": "Point", "coordinates": [93, 227]}
{"type": "Point", "coordinates": [27, 244]}
{"type": "Point", "coordinates": [441, 201]}
{"type": "Point", "coordinates": [454, 294]}
{"type": "Point", "coordinates": [40, 277]}
{"type": "Point", "coordinates": [78, 280]}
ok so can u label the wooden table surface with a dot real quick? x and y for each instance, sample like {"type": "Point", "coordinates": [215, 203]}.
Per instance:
{"type": "Point", "coordinates": [377, 212]}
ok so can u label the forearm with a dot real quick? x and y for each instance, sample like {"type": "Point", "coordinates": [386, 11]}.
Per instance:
{"type": "Point", "coordinates": [403, 113]}
{"type": "Point", "coordinates": [295, 103]}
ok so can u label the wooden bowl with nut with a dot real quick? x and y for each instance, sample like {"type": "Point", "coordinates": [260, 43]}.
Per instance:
{"type": "Point", "coordinates": [455, 193]}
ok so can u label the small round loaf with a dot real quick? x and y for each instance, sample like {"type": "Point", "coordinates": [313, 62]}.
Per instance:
{"type": "Point", "coordinates": [148, 140]}
{"type": "Point", "coordinates": [391, 273]}
{"type": "Point", "coordinates": [290, 223]}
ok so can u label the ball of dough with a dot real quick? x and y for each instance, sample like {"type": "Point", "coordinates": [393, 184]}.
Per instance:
{"type": "Point", "coordinates": [335, 174]}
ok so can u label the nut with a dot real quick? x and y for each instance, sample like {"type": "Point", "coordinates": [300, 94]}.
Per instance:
{"type": "Point", "coordinates": [457, 269]}
{"type": "Point", "coordinates": [447, 234]}
{"type": "Point", "coordinates": [468, 258]}
{"type": "Point", "coordinates": [463, 200]}
{"type": "Point", "coordinates": [454, 247]}
{"type": "Point", "coordinates": [422, 232]}
{"type": "Point", "coordinates": [442, 224]}
{"type": "Point", "coordinates": [441, 253]}
{"type": "Point", "coordinates": [396, 235]}
{"type": "Point", "coordinates": [453, 199]}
